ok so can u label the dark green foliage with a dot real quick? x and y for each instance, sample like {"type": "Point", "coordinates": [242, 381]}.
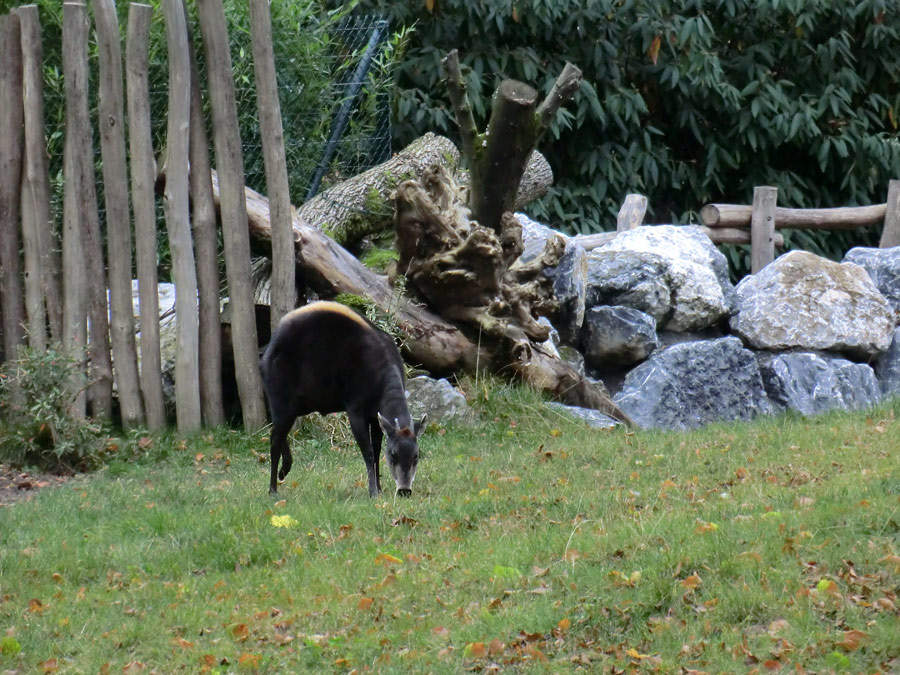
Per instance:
{"type": "Point", "coordinates": [687, 102]}
{"type": "Point", "coordinates": [35, 427]}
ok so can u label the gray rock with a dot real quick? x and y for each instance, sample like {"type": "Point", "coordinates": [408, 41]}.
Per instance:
{"type": "Point", "coordinates": [617, 336]}
{"type": "Point", "coordinates": [691, 384]}
{"type": "Point", "coordinates": [569, 276]}
{"type": "Point", "coordinates": [883, 266]}
{"type": "Point", "coordinates": [439, 399]}
{"type": "Point", "coordinates": [629, 279]}
{"type": "Point", "coordinates": [887, 367]}
{"type": "Point", "coordinates": [593, 418]}
{"type": "Point", "coordinates": [814, 383]}
{"type": "Point", "coordinates": [673, 273]}
{"type": "Point", "coordinates": [802, 301]}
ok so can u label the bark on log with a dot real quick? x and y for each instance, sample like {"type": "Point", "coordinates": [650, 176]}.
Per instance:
{"type": "Point", "coordinates": [118, 215]}
{"type": "Point", "coordinates": [11, 150]}
{"type": "Point", "coordinates": [284, 296]}
{"type": "Point", "coordinates": [36, 215]}
{"type": "Point", "coordinates": [843, 218]}
{"type": "Point", "coordinates": [143, 177]}
{"type": "Point", "coordinates": [230, 163]}
{"type": "Point", "coordinates": [206, 252]}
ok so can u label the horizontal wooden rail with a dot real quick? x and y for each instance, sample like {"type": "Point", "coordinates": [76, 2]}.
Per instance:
{"type": "Point", "coordinates": [843, 218]}
{"type": "Point", "coordinates": [718, 235]}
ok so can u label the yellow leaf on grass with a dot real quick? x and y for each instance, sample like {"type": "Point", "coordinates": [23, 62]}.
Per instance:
{"type": "Point", "coordinates": [184, 644]}
{"type": "Point", "coordinates": [240, 632]}
{"type": "Point", "coordinates": [386, 559]}
{"type": "Point", "coordinates": [35, 606]}
{"type": "Point", "coordinates": [283, 521]}
{"type": "Point", "coordinates": [364, 603]}
{"type": "Point", "coordinates": [703, 528]}
{"type": "Point", "coordinates": [564, 624]}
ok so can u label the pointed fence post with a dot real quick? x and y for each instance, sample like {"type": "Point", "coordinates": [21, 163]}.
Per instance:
{"type": "Point", "coordinates": [890, 235]}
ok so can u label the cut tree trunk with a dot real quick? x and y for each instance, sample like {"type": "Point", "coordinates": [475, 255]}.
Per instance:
{"type": "Point", "coordinates": [284, 296]}
{"type": "Point", "coordinates": [118, 216]}
{"type": "Point", "coordinates": [143, 176]}
{"type": "Point", "coordinates": [74, 324]}
{"type": "Point", "coordinates": [177, 210]}
{"type": "Point", "coordinates": [206, 252]}
{"type": "Point", "coordinates": [36, 215]}
{"type": "Point", "coordinates": [230, 164]}
{"type": "Point", "coordinates": [78, 124]}
{"type": "Point", "coordinates": [11, 151]}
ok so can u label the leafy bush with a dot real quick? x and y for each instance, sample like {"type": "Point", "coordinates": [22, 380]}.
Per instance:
{"type": "Point", "coordinates": [684, 101]}
{"type": "Point", "coordinates": [36, 427]}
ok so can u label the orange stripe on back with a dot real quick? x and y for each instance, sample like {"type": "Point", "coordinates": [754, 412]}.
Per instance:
{"type": "Point", "coordinates": [327, 306]}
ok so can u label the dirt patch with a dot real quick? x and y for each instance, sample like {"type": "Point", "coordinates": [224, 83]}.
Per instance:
{"type": "Point", "coordinates": [17, 485]}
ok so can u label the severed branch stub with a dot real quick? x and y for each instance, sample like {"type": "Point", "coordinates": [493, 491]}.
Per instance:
{"type": "Point", "coordinates": [459, 246]}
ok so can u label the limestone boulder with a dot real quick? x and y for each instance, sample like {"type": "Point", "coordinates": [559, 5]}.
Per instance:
{"type": "Point", "coordinates": [805, 302]}
{"type": "Point", "coordinates": [692, 384]}
{"type": "Point", "coordinates": [673, 273]}
{"type": "Point", "coordinates": [883, 266]}
{"type": "Point", "coordinates": [811, 383]}
{"type": "Point", "coordinates": [617, 336]}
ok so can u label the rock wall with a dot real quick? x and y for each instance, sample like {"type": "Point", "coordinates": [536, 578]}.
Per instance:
{"type": "Point", "coordinates": [680, 346]}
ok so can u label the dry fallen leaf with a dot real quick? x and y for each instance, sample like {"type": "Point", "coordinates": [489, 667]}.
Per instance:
{"type": "Point", "coordinates": [692, 582]}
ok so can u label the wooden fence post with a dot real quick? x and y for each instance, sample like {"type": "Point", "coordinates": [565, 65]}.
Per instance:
{"type": "Point", "coordinates": [233, 209]}
{"type": "Point", "coordinates": [631, 213]}
{"type": "Point", "coordinates": [284, 265]}
{"type": "Point", "coordinates": [206, 252]}
{"type": "Point", "coordinates": [143, 200]}
{"type": "Point", "coordinates": [177, 211]}
{"type": "Point", "coordinates": [890, 235]}
{"type": "Point", "coordinates": [74, 272]}
{"type": "Point", "coordinates": [11, 145]}
{"type": "Point", "coordinates": [118, 215]}
{"type": "Point", "coordinates": [762, 227]}
{"type": "Point", "coordinates": [36, 191]}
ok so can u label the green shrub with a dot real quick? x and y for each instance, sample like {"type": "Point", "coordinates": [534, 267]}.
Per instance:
{"type": "Point", "coordinates": [684, 101]}
{"type": "Point", "coordinates": [36, 427]}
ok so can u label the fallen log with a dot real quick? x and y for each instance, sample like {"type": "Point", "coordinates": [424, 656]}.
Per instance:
{"type": "Point", "coordinates": [361, 205]}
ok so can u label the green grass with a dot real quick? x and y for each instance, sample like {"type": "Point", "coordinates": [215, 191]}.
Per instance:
{"type": "Point", "coordinates": [531, 544]}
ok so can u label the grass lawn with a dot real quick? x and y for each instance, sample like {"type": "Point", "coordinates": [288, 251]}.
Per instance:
{"type": "Point", "coordinates": [531, 544]}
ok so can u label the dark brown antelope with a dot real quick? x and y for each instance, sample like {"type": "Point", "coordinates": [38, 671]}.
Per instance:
{"type": "Point", "coordinates": [325, 358]}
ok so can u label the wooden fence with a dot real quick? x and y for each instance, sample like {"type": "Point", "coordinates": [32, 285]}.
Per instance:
{"type": "Point", "coordinates": [64, 287]}
{"type": "Point", "coordinates": [757, 224]}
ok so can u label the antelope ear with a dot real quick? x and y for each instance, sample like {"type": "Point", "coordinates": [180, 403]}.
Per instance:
{"type": "Point", "coordinates": [386, 426]}
{"type": "Point", "coordinates": [419, 426]}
